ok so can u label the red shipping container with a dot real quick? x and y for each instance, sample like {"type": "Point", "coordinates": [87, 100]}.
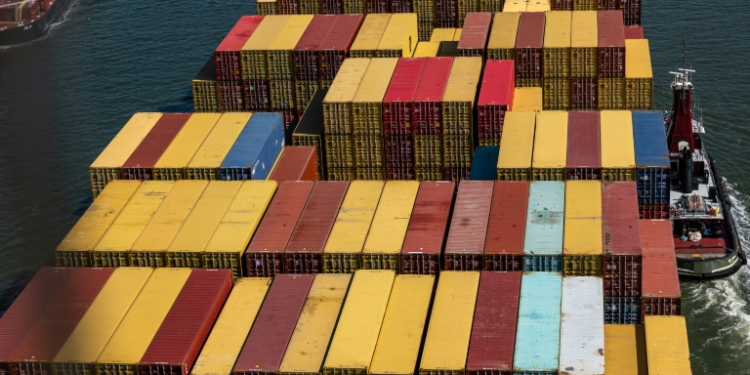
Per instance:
{"type": "Point", "coordinates": [27, 308]}
{"type": "Point", "coordinates": [632, 11]}
{"type": "Point", "coordinates": [622, 244]}
{"type": "Point", "coordinates": [493, 335]}
{"type": "Point", "coordinates": [529, 45]}
{"type": "Point", "coordinates": [503, 248]}
{"type": "Point", "coordinates": [401, 6]}
{"type": "Point", "coordinates": [655, 211]}
{"type": "Point", "coordinates": [427, 109]}
{"type": "Point", "coordinates": [495, 98]}
{"type": "Point", "coordinates": [335, 46]}
{"type": "Point", "coordinates": [468, 231]}
{"type": "Point", "coordinates": [265, 252]}
{"type": "Point", "coordinates": [305, 54]}
{"type": "Point", "coordinates": [397, 103]}
{"type": "Point", "coordinates": [584, 151]}
{"type": "Point", "coordinates": [608, 4]}
{"type": "Point", "coordinates": [267, 342]}
{"type": "Point", "coordinates": [332, 6]}
{"type": "Point", "coordinates": [584, 93]}
{"type": "Point", "coordinates": [140, 164]}
{"type": "Point", "coordinates": [561, 4]}
{"type": "Point", "coordinates": [611, 44]}
{"type": "Point", "coordinates": [634, 32]}
{"type": "Point", "coordinates": [185, 328]}
{"type": "Point", "coordinates": [425, 234]}
{"type": "Point", "coordinates": [288, 6]}
{"type": "Point", "coordinates": [377, 6]}
{"type": "Point", "coordinates": [656, 234]}
{"type": "Point", "coordinates": [476, 29]}
{"type": "Point", "coordinates": [256, 95]}
{"type": "Point", "coordinates": [231, 96]}
{"type": "Point", "coordinates": [35, 353]}
{"type": "Point", "coordinates": [296, 163]}
{"type": "Point", "coordinates": [227, 54]}
{"type": "Point", "coordinates": [446, 12]}
{"type": "Point", "coordinates": [399, 151]}
{"type": "Point", "coordinates": [304, 253]}
{"type": "Point", "coordinates": [661, 284]}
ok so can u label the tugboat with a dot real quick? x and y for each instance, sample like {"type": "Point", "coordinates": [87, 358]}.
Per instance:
{"type": "Point", "coordinates": [22, 21]}
{"type": "Point", "coordinates": [705, 235]}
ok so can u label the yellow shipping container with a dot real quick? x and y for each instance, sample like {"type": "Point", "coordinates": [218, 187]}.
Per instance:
{"type": "Point", "coordinates": [79, 353]}
{"type": "Point", "coordinates": [367, 102]}
{"type": "Point", "coordinates": [403, 326]}
{"type": "Point", "coordinates": [309, 344]}
{"type": "Point", "coordinates": [347, 239]}
{"type": "Point", "coordinates": [583, 199]}
{"type": "Point", "coordinates": [582, 247]}
{"type": "Point", "coordinates": [639, 78]}
{"type": "Point", "coordinates": [457, 35]}
{"type": "Point", "coordinates": [516, 147]}
{"type": "Point", "coordinates": [625, 352]}
{"type": "Point", "coordinates": [557, 44]}
{"type": "Point", "coordinates": [447, 342]}
{"type": "Point", "coordinates": [514, 6]}
{"type": "Point", "coordinates": [502, 42]}
{"type": "Point", "coordinates": [229, 241]}
{"type": "Point", "coordinates": [107, 165]}
{"type": "Point", "coordinates": [618, 149]}
{"type": "Point", "coordinates": [149, 250]}
{"type": "Point", "coordinates": [356, 335]}
{"type": "Point", "coordinates": [527, 99]}
{"type": "Point", "coordinates": [369, 35]}
{"type": "Point", "coordinates": [400, 37]}
{"type": "Point", "coordinates": [611, 93]}
{"type": "Point", "coordinates": [205, 97]}
{"type": "Point", "coordinates": [205, 164]}
{"type": "Point", "coordinates": [556, 93]}
{"type": "Point", "coordinates": [171, 165]}
{"type": "Point", "coordinates": [186, 250]}
{"type": "Point", "coordinates": [538, 6]}
{"type": "Point", "coordinates": [667, 347]}
{"type": "Point", "coordinates": [585, 4]}
{"type": "Point", "coordinates": [442, 35]}
{"type": "Point", "coordinates": [584, 43]}
{"type": "Point", "coordinates": [460, 94]}
{"type": "Point", "coordinates": [279, 58]}
{"type": "Point", "coordinates": [267, 7]}
{"type": "Point", "coordinates": [112, 250]}
{"type": "Point", "coordinates": [75, 249]}
{"type": "Point", "coordinates": [254, 52]}
{"type": "Point", "coordinates": [228, 335]}
{"type": "Point", "coordinates": [427, 49]}
{"type": "Point", "coordinates": [140, 324]}
{"type": "Point", "coordinates": [383, 245]}
{"type": "Point", "coordinates": [550, 146]}
{"type": "Point", "coordinates": [337, 104]}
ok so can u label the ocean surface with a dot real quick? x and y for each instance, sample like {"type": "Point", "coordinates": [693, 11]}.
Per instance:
{"type": "Point", "coordinates": [64, 97]}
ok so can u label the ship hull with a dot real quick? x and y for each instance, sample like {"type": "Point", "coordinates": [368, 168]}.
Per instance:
{"type": "Point", "coordinates": [34, 30]}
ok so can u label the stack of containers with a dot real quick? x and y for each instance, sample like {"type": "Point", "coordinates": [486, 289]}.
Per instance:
{"type": "Point", "coordinates": [556, 67]}
{"type": "Point", "coordinates": [369, 35]}
{"type": "Point", "coordinates": [652, 164]}
{"type": "Point", "coordinates": [639, 79]}
{"type": "Point", "coordinates": [543, 244]}
{"type": "Point", "coordinates": [661, 285]}
{"type": "Point", "coordinates": [140, 164]}
{"type": "Point", "coordinates": [495, 99]}
{"type": "Point", "coordinates": [427, 228]}
{"type": "Point", "coordinates": [611, 60]}
{"type": "Point", "coordinates": [474, 38]}
{"type": "Point", "coordinates": [399, 37]}
{"type": "Point", "coordinates": [502, 42]}
{"type": "Point", "coordinates": [466, 238]}
{"type": "Point", "coordinates": [516, 147]}
{"type": "Point", "coordinates": [385, 239]}
{"type": "Point", "coordinates": [397, 119]}
{"type": "Point", "coordinates": [427, 119]}
{"type": "Point", "coordinates": [550, 146]}
{"type": "Point", "coordinates": [584, 42]}
{"type": "Point", "coordinates": [617, 145]}
{"type": "Point", "coordinates": [538, 330]}
{"type": "Point", "coordinates": [310, 128]}
{"type": "Point", "coordinates": [529, 56]}
{"type": "Point", "coordinates": [583, 229]}
{"type": "Point", "coordinates": [582, 326]}
{"type": "Point", "coordinates": [584, 159]}
{"type": "Point", "coordinates": [205, 95]}
{"type": "Point", "coordinates": [622, 253]}
{"type": "Point", "coordinates": [228, 62]}
{"type": "Point", "coordinates": [458, 117]}
{"type": "Point", "coordinates": [506, 230]}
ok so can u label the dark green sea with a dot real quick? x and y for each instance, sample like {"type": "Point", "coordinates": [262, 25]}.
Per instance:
{"type": "Point", "coordinates": [64, 97]}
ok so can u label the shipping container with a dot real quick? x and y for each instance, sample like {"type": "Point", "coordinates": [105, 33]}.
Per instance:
{"type": "Point", "coordinates": [495, 99]}
{"type": "Point", "coordinates": [427, 111]}
{"type": "Point", "coordinates": [269, 338]}
{"type": "Point", "coordinates": [256, 94]}
{"type": "Point", "coordinates": [256, 149]}
{"type": "Point", "coordinates": [473, 40]}
{"type": "Point", "coordinates": [354, 342]}
{"type": "Point", "coordinates": [35, 354]}
{"type": "Point", "coordinates": [584, 43]}
{"type": "Point", "coordinates": [446, 346]}
{"type": "Point", "coordinates": [661, 285]}
{"type": "Point", "coordinates": [529, 57]}
{"type": "Point", "coordinates": [581, 326]}
{"type": "Point", "coordinates": [584, 159]}
{"type": "Point", "coordinates": [493, 335]}
{"type": "Point", "coordinates": [403, 326]}
{"type": "Point", "coordinates": [611, 44]}
{"type": "Point", "coordinates": [506, 229]}
{"type": "Point", "coordinates": [107, 165]}
{"type": "Point", "coordinates": [484, 164]}
{"type": "Point", "coordinates": [385, 239]}
{"type": "Point", "coordinates": [618, 150]}
{"type": "Point", "coordinates": [254, 51]}
{"type": "Point", "coordinates": [267, 7]}
{"type": "Point", "coordinates": [369, 36]}
{"type": "Point", "coordinates": [171, 165]}
{"type": "Point", "coordinates": [139, 326]}
{"type": "Point", "coordinates": [309, 130]}
{"type": "Point", "coordinates": [337, 105]}
{"type": "Point", "coordinates": [397, 103]}
{"type": "Point", "coordinates": [306, 52]}
{"type": "Point", "coordinates": [279, 55]}
{"type": "Point", "coordinates": [425, 11]}
{"type": "Point", "coordinates": [625, 349]}
{"type": "Point", "coordinates": [264, 255]}
{"type": "Point", "coordinates": [633, 32]}
{"type": "Point", "coordinates": [150, 249]}
{"type": "Point", "coordinates": [205, 88]}
{"type": "Point", "coordinates": [295, 164]}
{"type": "Point", "coordinates": [526, 99]}
{"type": "Point", "coordinates": [667, 346]}
{"type": "Point", "coordinates": [399, 37]}
{"type": "Point", "coordinates": [622, 244]}
{"type": "Point", "coordinates": [459, 98]}
{"type": "Point", "coordinates": [543, 244]}
{"type": "Point", "coordinates": [442, 34]}
{"type": "Point", "coordinates": [557, 44]}
{"type": "Point", "coordinates": [367, 107]}
{"type": "Point", "coordinates": [651, 158]}
{"type": "Point", "coordinates": [237, 316]}
{"type": "Point", "coordinates": [632, 11]}
{"type": "Point", "coordinates": [206, 162]}
{"type": "Point", "coordinates": [584, 93]}
{"type": "Point", "coordinates": [556, 93]}
{"type": "Point", "coordinates": [514, 161]}
{"type": "Point", "coordinates": [583, 232]}
{"type": "Point", "coordinates": [550, 146]}
{"type": "Point", "coordinates": [639, 78]}
{"type": "Point", "coordinates": [227, 245]}
{"type": "Point", "coordinates": [466, 237]}
{"type": "Point", "coordinates": [113, 248]}
{"type": "Point", "coordinates": [425, 235]}
{"type": "Point", "coordinates": [227, 55]}
{"type": "Point", "coordinates": [233, 97]}
{"type": "Point", "coordinates": [502, 42]}
{"type": "Point", "coordinates": [80, 351]}
{"type": "Point", "coordinates": [426, 49]}
{"type": "Point", "coordinates": [538, 331]}
{"type": "Point", "coordinates": [312, 335]}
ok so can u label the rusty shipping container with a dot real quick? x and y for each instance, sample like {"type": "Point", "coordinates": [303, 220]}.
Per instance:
{"type": "Point", "coordinates": [622, 244]}
{"type": "Point", "coordinates": [296, 163]}
{"type": "Point", "coordinates": [466, 238]}
{"type": "Point", "coordinates": [584, 160]}
{"type": "Point", "coordinates": [611, 61]}
{"type": "Point", "coordinates": [529, 56]}
{"type": "Point", "coordinates": [428, 225]}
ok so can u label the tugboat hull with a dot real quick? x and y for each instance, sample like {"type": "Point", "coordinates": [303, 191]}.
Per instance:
{"type": "Point", "coordinates": [36, 29]}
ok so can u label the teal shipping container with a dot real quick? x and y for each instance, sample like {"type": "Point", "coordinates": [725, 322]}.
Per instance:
{"type": "Point", "coordinates": [543, 245]}
{"type": "Point", "coordinates": [538, 331]}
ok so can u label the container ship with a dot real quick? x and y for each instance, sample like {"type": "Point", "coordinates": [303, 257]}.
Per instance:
{"type": "Point", "coordinates": [22, 21]}
{"type": "Point", "coordinates": [430, 188]}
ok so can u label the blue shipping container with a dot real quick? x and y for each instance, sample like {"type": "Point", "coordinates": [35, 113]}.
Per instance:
{"type": "Point", "coordinates": [543, 244]}
{"type": "Point", "coordinates": [622, 310]}
{"type": "Point", "coordinates": [256, 149]}
{"type": "Point", "coordinates": [538, 330]}
{"type": "Point", "coordinates": [651, 157]}
{"type": "Point", "coordinates": [484, 165]}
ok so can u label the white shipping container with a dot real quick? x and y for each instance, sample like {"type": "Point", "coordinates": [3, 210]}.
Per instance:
{"type": "Point", "coordinates": [582, 326]}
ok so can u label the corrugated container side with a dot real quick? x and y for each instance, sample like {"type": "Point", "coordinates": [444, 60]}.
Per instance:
{"type": "Point", "coordinates": [543, 243]}
{"type": "Point", "coordinates": [466, 237]}
{"type": "Point", "coordinates": [610, 93]}
{"type": "Point", "coordinates": [639, 81]}
{"type": "Point", "coordinates": [556, 93]}
{"type": "Point", "coordinates": [369, 35]}
{"type": "Point", "coordinates": [460, 96]}
{"type": "Point", "coordinates": [538, 331]}
{"type": "Point", "coordinates": [550, 146]}
{"type": "Point", "coordinates": [267, 7]}
{"type": "Point", "coordinates": [651, 157]}
{"type": "Point", "coordinates": [254, 52]}
{"type": "Point", "coordinates": [667, 346]}
{"type": "Point", "coordinates": [584, 93]}
{"type": "Point", "coordinates": [255, 150]}
{"type": "Point", "coordinates": [584, 42]}
{"type": "Point", "coordinates": [425, 235]}
{"type": "Point", "coordinates": [622, 244]}
{"type": "Point", "coordinates": [397, 103]}
{"type": "Point", "coordinates": [205, 164]}
{"type": "Point", "coordinates": [400, 6]}
{"type": "Point", "coordinates": [585, 4]}
{"type": "Point", "coordinates": [269, 338]}
{"type": "Point", "coordinates": [507, 226]}
{"type": "Point", "coordinates": [296, 163]}
{"type": "Point", "coordinates": [495, 99]}
{"type": "Point", "coordinates": [427, 116]}
{"type": "Point", "coordinates": [625, 349]}
{"type": "Point", "coordinates": [622, 310]}
{"type": "Point", "coordinates": [227, 55]}
{"type": "Point", "coordinates": [557, 45]}
{"type": "Point", "coordinates": [581, 326]}
{"type": "Point", "coordinates": [425, 11]}
{"type": "Point", "coordinates": [232, 96]}
{"type": "Point", "coordinates": [661, 285]}
{"type": "Point", "coordinates": [516, 148]}
{"type": "Point", "coordinates": [205, 88]}
{"type": "Point", "coordinates": [400, 37]}
{"type": "Point", "coordinates": [171, 165]}
{"type": "Point", "coordinates": [335, 46]}
{"type": "Point", "coordinates": [529, 56]}
{"type": "Point", "coordinates": [611, 34]}
{"type": "Point", "coordinates": [561, 4]}
{"type": "Point", "coordinates": [386, 237]}
{"type": "Point", "coordinates": [584, 159]}
{"type": "Point", "coordinates": [618, 149]}
{"type": "Point", "coordinates": [502, 42]}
